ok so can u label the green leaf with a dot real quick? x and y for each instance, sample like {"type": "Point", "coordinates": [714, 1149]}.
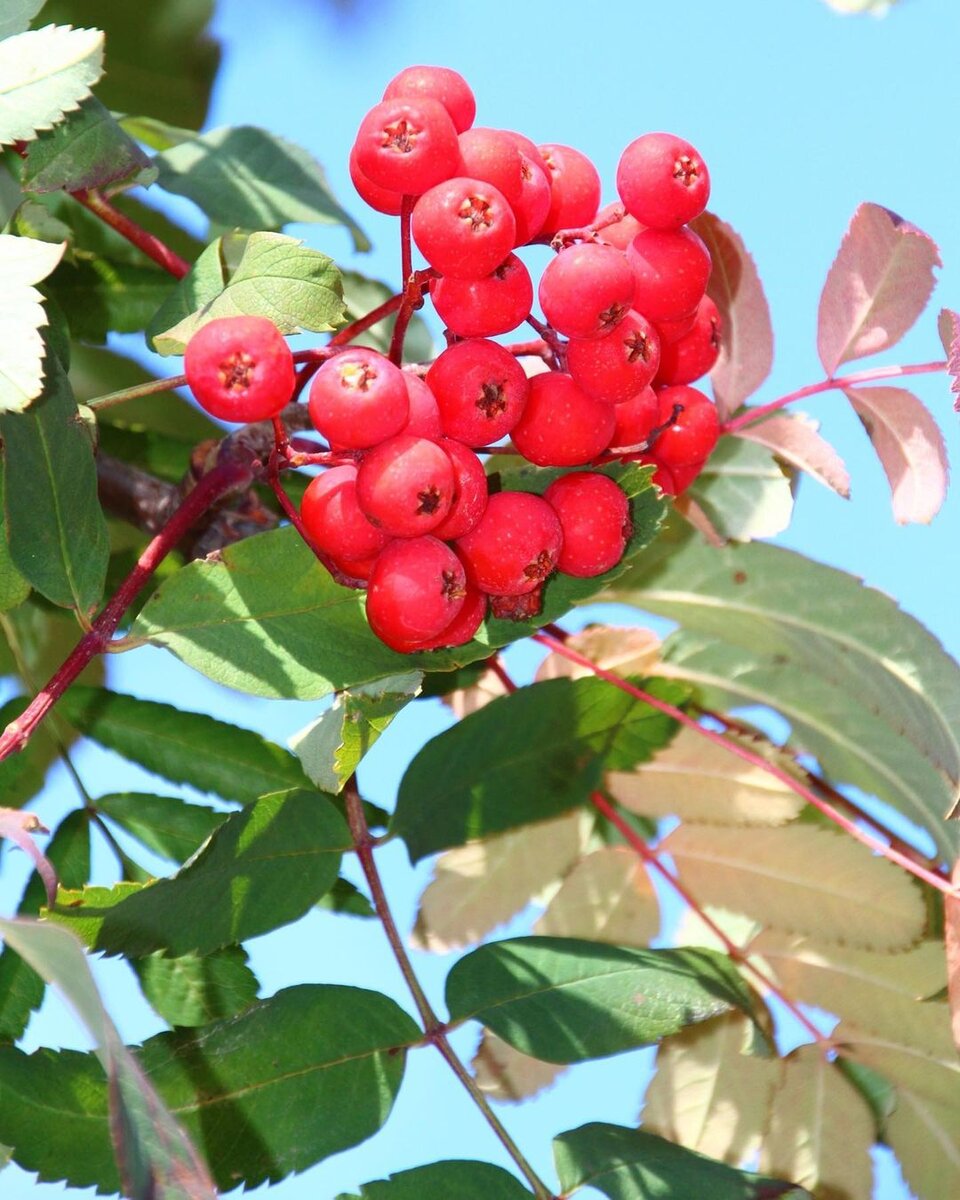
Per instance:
{"type": "Point", "coordinates": [275, 277]}
{"type": "Point", "coordinates": [264, 867]}
{"type": "Point", "coordinates": [460, 1178]}
{"type": "Point", "coordinates": [56, 530]}
{"type": "Point", "coordinates": [553, 741]}
{"type": "Point", "coordinates": [14, 589]}
{"type": "Point", "coordinates": [23, 263]}
{"type": "Point", "coordinates": [344, 897]}
{"type": "Point", "coordinates": [17, 16]}
{"type": "Point", "coordinates": [305, 1074]}
{"type": "Point", "coordinates": [101, 296]}
{"type": "Point", "coordinates": [195, 990]}
{"type": "Point", "coordinates": [167, 825]}
{"type": "Point", "coordinates": [565, 1000]}
{"type": "Point", "coordinates": [331, 747]}
{"type": "Point", "coordinates": [87, 150]}
{"type": "Point", "coordinates": [628, 1164]}
{"type": "Point", "coordinates": [184, 747]}
{"type": "Point", "coordinates": [744, 491]}
{"type": "Point", "coordinates": [246, 177]}
{"type": "Point", "coordinates": [45, 74]}
{"type": "Point", "coordinates": [361, 296]}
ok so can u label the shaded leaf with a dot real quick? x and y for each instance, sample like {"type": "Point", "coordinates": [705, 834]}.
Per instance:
{"type": "Point", "coordinates": [607, 897]}
{"type": "Point", "coordinates": [565, 1000]}
{"type": "Point", "coordinates": [910, 447]}
{"type": "Point", "coordinates": [743, 491]}
{"type": "Point", "coordinates": [462, 1179]}
{"type": "Point", "coordinates": [925, 1136]}
{"type": "Point", "coordinates": [18, 15]}
{"type": "Point", "coordinates": [794, 438]}
{"type": "Point", "coordinates": [14, 589]}
{"type": "Point", "coordinates": [23, 263]}
{"type": "Point", "coordinates": [46, 73]}
{"type": "Point", "coordinates": [195, 990]}
{"type": "Point", "coordinates": [506, 1074]}
{"type": "Point", "coordinates": [100, 296]}
{"type": "Point", "coordinates": [948, 325]}
{"type": "Point", "coordinates": [345, 897]}
{"type": "Point", "coordinates": [87, 150]}
{"type": "Point", "coordinates": [877, 286]}
{"type": "Point", "coordinates": [167, 825]}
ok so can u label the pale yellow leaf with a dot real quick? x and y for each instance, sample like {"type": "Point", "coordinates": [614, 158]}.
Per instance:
{"type": "Point", "coordinates": [23, 263]}
{"type": "Point", "coordinates": [477, 887]}
{"type": "Point", "coordinates": [465, 701]}
{"type": "Point", "coordinates": [932, 1074]}
{"type": "Point", "coordinates": [820, 1130]}
{"type": "Point", "coordinates": [503, 1073]}
{"type": "Point", "coordinates": [708, 1093]}
{"type": "Point", "coordinates": [801, 879]}
{"type": "Point", "coordinates": [692, 929]}
{"type": "Point", "coordinates": [625, 651]}
{"type": "Point", "coordinates": [926, 1139]}
{"type": "Point", "coordinates": [607, 897]}
{"type": "Point", "coordinates": [698, 780]}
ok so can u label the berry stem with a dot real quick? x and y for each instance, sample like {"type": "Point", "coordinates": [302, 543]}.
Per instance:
{"type": "Point", "coordinates": [150, 388]}
{"type": "Point", "coordinates": [406, 249]}
{"type": "Point", "coordinates": [434, 1029]}
{"type": "Point", "coordinates": [134, 233]}
{"type": "Point", "coordinates": [224, 478]}
{"type": "Point", "coordinates": [752, 415]}
{"type": "Point", "coordinates": [557, 357]}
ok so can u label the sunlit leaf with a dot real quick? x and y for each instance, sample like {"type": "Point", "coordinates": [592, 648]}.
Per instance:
{"type": "Point", "coordinates": [23, 263]}
{"type": "Point", "coordinates": [607, 897]}
{"type": "Point", "coordinates": [169, 826]}
{"type": "Point", "coordinates": [45, 74]}
{"type": "Point", "coordinates": [794, 438]}
{"type": "Point", "coordinates": [18, 15]}
{"type": "Point", "coordinates": [925, 1136]}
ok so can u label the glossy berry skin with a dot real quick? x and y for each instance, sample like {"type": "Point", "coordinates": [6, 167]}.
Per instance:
{"type": "Point", "coordinates": [424, 418]}
{"type": "Point", "coordinates": [595, 518]}
{"type": "Point", "coordinates": [481, 390]}
{"type": "Point", "coordinates": [561, 425]}
{"type": "Point", "coordinates": [406, 485]}
{"type": "Point", "coordinates": [463, 227]}
{"type": "Point", "coordinates": [515, 545]}
{"type": "Point", "coordinates": [535, 198]}
{"type": "Point", "coordinates": [671, 269]}
{"type": "Point", "coordinates": [692, 356]}
{"type": "Point", "coordinates": [240, 368]}
{"type": "Point", "coordinates": [693, 431]}
{"type": "Point", "coordinates": [378, 198]}
{"type": "Point", "coordinates": [470, 491]}
{"type": "Point", "coordinates": [636, 419]}
{"type": "Point", "coordinates": [492, 155]}
{"type": "Point", "coordinates": [663, 181]}
{"type": "Point", "coordinates": [462, 628]}
{"type": "Point", "coordinates": [618, 366]}
{"type": "Point", "coordinates": [358, 398]}
{"type": "Point", "coordinates": [437, 83]}
{"type": "Point", "coordinates": [407, 146]}
{"type": "Point", "coordinates": [484, 307]}
{"type": "Point", "coordinates": [586, 291]}
{"type": "Point", "coordinates": [417, 588]}
{"type": "Point", "coordinates": [673, 331]}
{"type": "Point", "coordinates": [334, 520]}
{"type": "Point", "coordinates": [574, 188]}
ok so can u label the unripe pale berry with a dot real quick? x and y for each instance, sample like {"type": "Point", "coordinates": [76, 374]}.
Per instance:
{"type": "Point", "coordinates": [240, 368]}
{"type": "Point", "coordinates": [595, 517]}
{"type": "Point", "coordinates": [515, 545]}
{"type": "Point", "coordinates": [358, 398]}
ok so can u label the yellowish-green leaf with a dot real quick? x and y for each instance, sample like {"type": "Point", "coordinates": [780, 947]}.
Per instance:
{"type": "Point", "coordinates": [932, 1073]}
{"type": "Point", "coordinates": [503, 1073]}
{"type": "Point", "coordinates": [44, 74]}
{"type": "Point", "coordinates": [820, 1130]}
{"type": "Point", "coordinates": [23, 262]}
{"type": "Point", "coordinates": [925, 1137]}
{"type": "Point", "coordinates": [801, 879]}
{"type": "Point", "coordinates": [607, 897]}
{"type": "Point", "coordinates": [692, 930]}
{"type": "Point", "coordinates": [698, 780]}
{"type": "Point", "coordinates": [709, 1093]}
{"type": "Point", "coordinates": [477, 887]}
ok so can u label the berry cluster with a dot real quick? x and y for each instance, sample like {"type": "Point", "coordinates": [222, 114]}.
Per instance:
{"type": "Point", "coordinates": [407, 509]}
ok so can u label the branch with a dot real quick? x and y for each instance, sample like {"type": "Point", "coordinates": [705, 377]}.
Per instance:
{"type": "Point", "coordinates": [134, 233]}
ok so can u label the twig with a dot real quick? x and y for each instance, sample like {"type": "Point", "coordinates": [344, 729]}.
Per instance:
{"type": "Point", "coordinates": [134, 233]}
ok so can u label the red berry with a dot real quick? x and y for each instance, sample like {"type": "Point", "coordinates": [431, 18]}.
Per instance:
{"type": "Point", "coordinates": [406, 485]}
{"type": "Point", "coordinates": [574, 188]}
{"type": "Point", "coordinates": [515, 545]}
{"type": "Point", "coordinates": [616, 367]}
{"type": "Point", "coordinates": [417, 588]}
{"type": "Point", "coordinates": [356, 568]}
{"type": "Point", "coordinates": [492, 155]}
{"type": "Point", "coordinates": [693, 430]}
{"type": "Point", "coordinates": [663, 181]}
{"type": "Point", "coordinates": [481, 390]}
{"type": "Point", "coordinates": [379, 198]}
{"type": "Point", "coordinates": [463, 228]}
{"type": "Point", "coordinates": [358, 398]}
{"type": "Point", "coordinates": [240, 368]}
{"type": "Point", "coordinates": [595, 518]}
{"type": "Point", "coordinates": [693, 355]}
{"type": "Point", "coordinates": [561, 425]}
{"type": "Point", "coordinates": [621, 233]}
{"type": "Point", "coordinates": [437, 83]}
{"type": "Point", "coordinates": [334, 520]}
{"type": "Point", "coordinates": [407, 146]}
{"type": "Point", "coordinates": [424, 419]}
{"type": "Point", "coordinates": [671, 268]}
{"type": "Point", "coordinates": [470, 491]}
{"type": "Point", "coordinates": [535, 198]}
{"type": "Point", "coordinates": [484, 307]}
{"type": "Point", "coordinates": [636, 419]}
{"type": "Point", "coordinates": [673, 331]}
{"type": "Point", "coordinates": [464, 625]}
{"type": "Point", "coordinates": [586, 291]}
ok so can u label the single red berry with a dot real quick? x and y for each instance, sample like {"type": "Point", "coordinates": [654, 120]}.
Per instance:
{"type": "Point", "coordinates": [595, 518]}
{"type": "Point", "coordinates": [424, 419]}
{"type": "Point", "coordinates": [636, 419]}
{"type": "Point", "coordinates": [574, 188]}
{"type": "Point", "coordinates": [621, 233]}
{"type": "Point", "coordinates": [535, 192]}
{"type": "Point", "coordinates": [481, 390]}
{"type": "Point", "coordinates": [406, 485]}
{"type": "Point", "coordinates": [483, 307]}
{"type": "Point", "coordinates": [693, 355]}
{"type": "Point", "coordinates": [663, 181]}
{"type": "Point", "coordinates": [515, 545]}
{"type": "Point", "coordinates": [493, 156]}
{"type": "Point", "coordinates": [621, 364]}
{"type": "Point", "coordinates": [437, 83]}
{"type": "Point", "coordinates": [407, 146]}
{"type": "Point", "coordinates": [240, 368]}
{"type": "Point", "coordinates": [470, 491]}
{"type": "Point", "coordinates": [358, 398]}
{"type": "Point", "coordinates": [378, 198]}
{"type": "Point", "coordinates": [359, 569]}
{"type": "Point", "coordinates": [586, 291]}
{"type": "Point", "coordinates": [417, 588]}
{"type": "Point", "coordinates": [671, 268]}
{"type": "Point", "coordinates": [334, 520]}
{"type": "Point", "coordinates": [673, 331]}
{"type": "Point", "coordinates": [462, 628]}
{"type": "Point", "coordinates": [561, 425]}
{"type": "Point", "coordinates": [463, 227]}
{"type": "Point", "coordinates": [693, 429]}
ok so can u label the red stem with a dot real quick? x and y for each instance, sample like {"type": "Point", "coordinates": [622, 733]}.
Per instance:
{"type": "Point", "coordinates": [825, 385]}
{"type": "Point", "coordinates": [150, 245]}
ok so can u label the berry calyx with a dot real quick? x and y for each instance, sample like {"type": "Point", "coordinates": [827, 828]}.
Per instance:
{"type": "Point", "coordinates": [515, 545]}
{"type": "Point", "coordinates": [595, 518]}
{"type": "Point", "coordinates": [358, 398]}
{"type": "Point", "coordinates": [407, 145]}
{"type": "Point", "coordinates": [240, 368]}
{"type": "Point", "coordinates": [481, 391]}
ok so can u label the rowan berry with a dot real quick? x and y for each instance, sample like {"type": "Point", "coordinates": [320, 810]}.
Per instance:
{"type": "Point", "coordinates": [693, 355]}
{"type": "Point", "coordinates": [561, 425]}
{"type": "Point", "coordinates": [417, 588]}
{"type": "Point", "coordinates": [407, 145]}
{"type": "Point", "coordinates": [470, 491]}
{"type": "Point", "coordinates": [693, 429]}
{"type": "Point", "coordinates": [574, 188]}
{"type": "Point", "coordinates": [437, 83]}
{"type": "Point", "coordinates": [358, 398]}
{"type": "Point", "coordinates": [672, 267]}
{"type": "Point", "coordinates": [481, 390]}
{"type": "Point", "coordinates": [595, 518]}
{"type": "Point", "coordinates": [334, 520]}
{"type": "Point", "coordinates": [463, 227]}
{"type": "Point", "coordinates": [515, 545]}
{"type": "Point", "coordinates": [240, 368]}
{"type": "Point", "coordinates": [405, 485]}
{"type": "Point", "coordinates": [483, 307]}
{"type": "Point", "coordinates": [586, 291]}
{"type": "Point", "coordinates": [636, 419]}
{"type": "Point", "coordinates": [615, 367]}
{"type": "Point", "coordinates": [663, 181]}
{"type": "Point", "coordinates": [493, 156]}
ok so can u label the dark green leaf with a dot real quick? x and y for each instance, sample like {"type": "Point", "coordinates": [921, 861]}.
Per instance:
{"type": "Point", "coordinates": [184, 747]}
{"type": "Point", "coordinates": [628, 1164]}
{"type": "Point", "coordinates": [56, 530]}
{"type": "Point", "coordinates": [169, 826]}
{"type": "Point", "coordinates": [87, 150]}
{"type": "Point", "coordinates": [566, 999]}
{"type": "Point", "coordinates": [361, 296]}
{"type": "Point", "coordinates": [524, 757]}
{"type": "Point", "coordinates": [14, 589]}
{"type": "Point", "coordinates": [444, 1181]}
{"type": "Point", "coordinates": [344, 897]}
{"type": "Point", "coordinates": [244, 176]}
{"type": "Point", "coordinates": [100, 296]}
{"type": "Point", "coordinates": [195, 990]}
{"type": "Point", "coordinates": [264, 867]}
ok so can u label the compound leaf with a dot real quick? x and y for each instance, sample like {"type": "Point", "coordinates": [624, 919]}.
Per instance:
{"type": "Point", "coordinates": [793, 437]}
{"type": "Point", "coordinates": [506, 1074]}
{"type": "Point", "coordinates": [925, 1136]}
{"type": "Point", "coordinates": [169, 826]}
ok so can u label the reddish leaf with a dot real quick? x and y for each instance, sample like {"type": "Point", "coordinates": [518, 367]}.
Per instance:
{"type": "Point", "coordinates": [18, 826]}
{"type": "Point", "coordinates": [951, 937]}
{"type": "Point", "coordinates": [794, 438]}
{"type": "Point", "coordinates": [746, 353]}
{"type": "Point", "coordinates": [910, 447]}
{"type": "Point", "coordinates": [876, 288]}
{"type": "Point", "coordinates": [948, 324]}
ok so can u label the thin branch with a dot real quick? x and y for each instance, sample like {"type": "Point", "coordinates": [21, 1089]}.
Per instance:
{"type": "Point", "coordinates": [152, 246]}
{"type": "Point", "coordinates": [150, 388]}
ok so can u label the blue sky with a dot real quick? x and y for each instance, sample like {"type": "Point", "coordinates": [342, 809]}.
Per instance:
{"type": "Point", "coordinates": [801, 114]}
